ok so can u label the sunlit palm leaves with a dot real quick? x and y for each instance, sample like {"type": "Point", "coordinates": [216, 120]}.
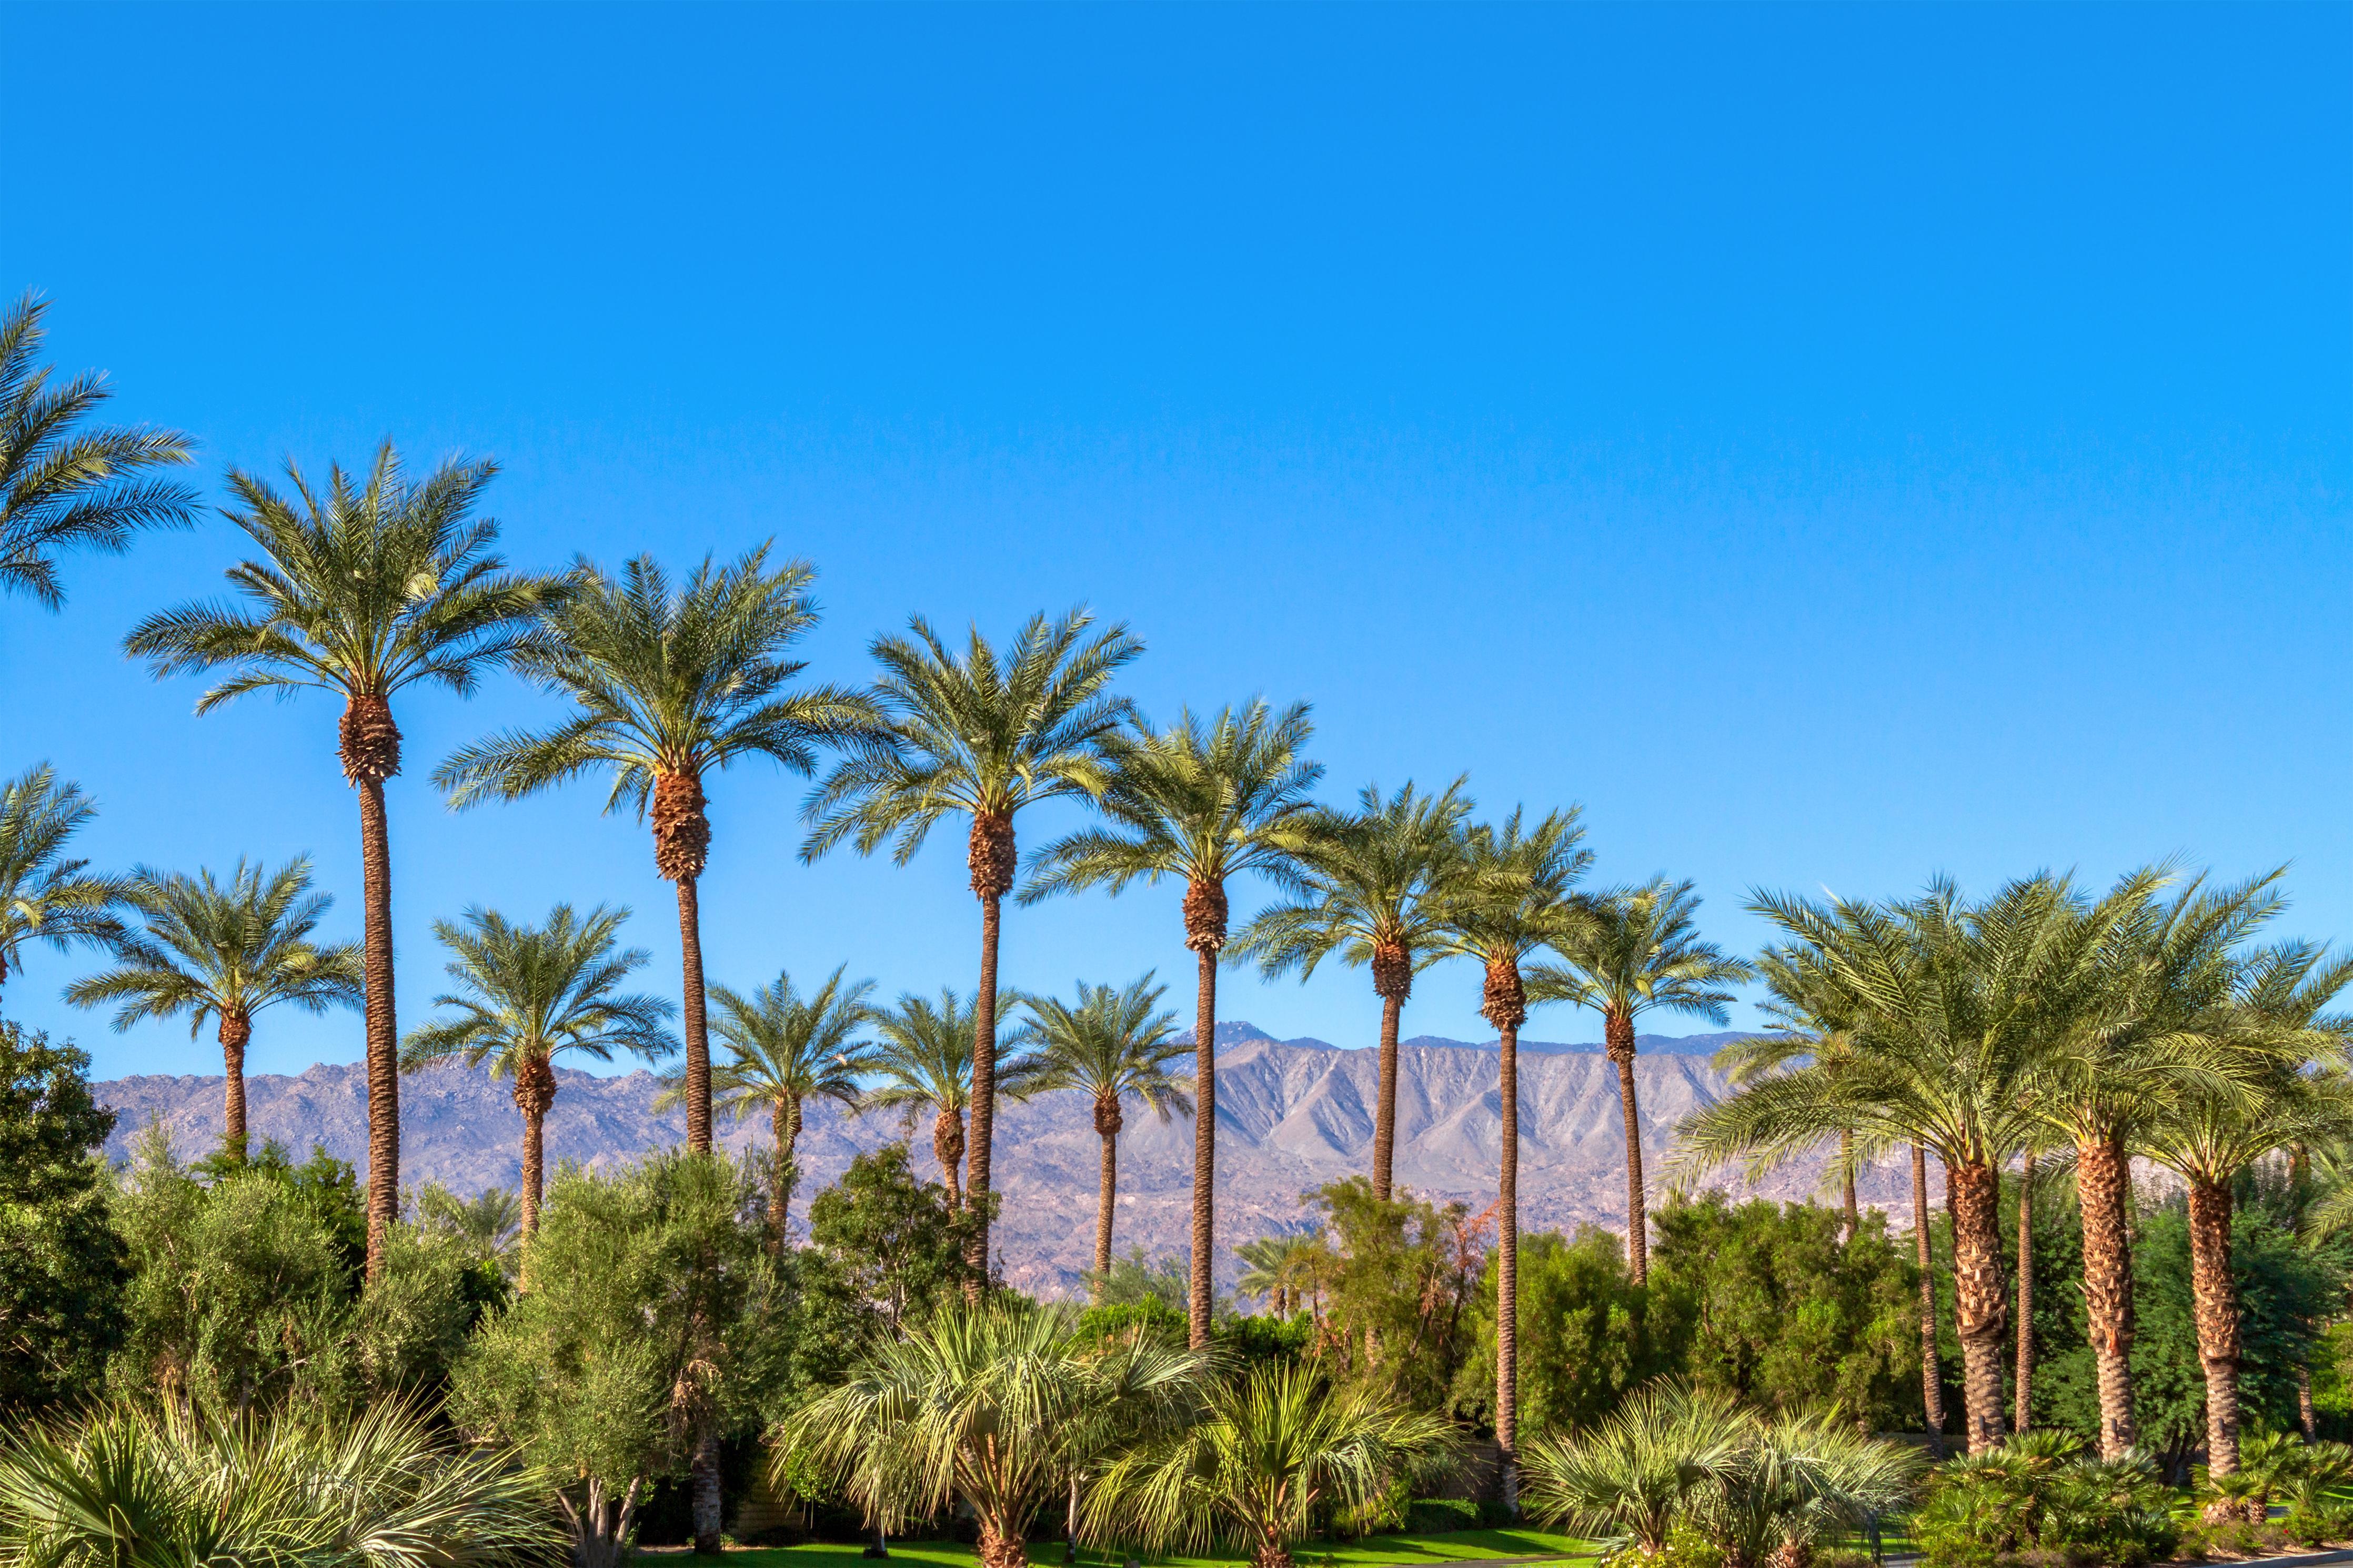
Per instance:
{"type": "Point", "coordinates": [922, 1060]}
{"type": "Point", "coordinates": [44, 895]}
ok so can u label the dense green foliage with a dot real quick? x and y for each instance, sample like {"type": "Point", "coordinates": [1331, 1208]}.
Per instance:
{"type": "Point", "coordinates": [62, 1267]}
{"type": "Point", "coordinates": [2040, 1493]}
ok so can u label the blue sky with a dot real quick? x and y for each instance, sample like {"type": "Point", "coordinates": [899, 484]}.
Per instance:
{"type": "Point", "coordinates": [1834, 446]}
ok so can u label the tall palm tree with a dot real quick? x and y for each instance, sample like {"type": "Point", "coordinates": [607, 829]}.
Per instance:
{"type": "Point", "coordinates": [1639, 950]}
{"type": "Point", "coordinates": [786, 1049]}
{"type": "Point", "coordinates": [1369, 897]}
{"type": "Point", "coordinates": [1956, 1008]}
{"type": "Point", "coordinates": [922, 1060]}
{"type": "Point", "coordinates": [361, 590]}
{"type": "Point", "coordinates": [1204, 803]}
{"type": "Point", "coordinates": [667, 685]}
{"type": "Point", "coordinates": [43, 895]}
{"type": "Point", "coordinates": [1513, 895]}
{"type": "Point", "coordinates": [2275, 1018]}
{"type": "Point", "coordinates": [980, 737]}
{"type": "Point", "coordinates": [61, 487]}
{"type": "Point", "coordinates": [1109, 1044]}
{"type": "Point", "coordinates": [525, 995]}
{"type": "Point", "coordinates": [226, 952]}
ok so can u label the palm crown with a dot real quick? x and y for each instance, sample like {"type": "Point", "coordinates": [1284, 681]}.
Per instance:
{"type": "Point", "coordinates": [787, 1047]}
{"type": "Point", "coordinates": [62, 487]}
{"type": "Point", "coordinates": [44, 895]}
{"type": "Point", "coordinates": [1512, 895]}
{"type": "Point", "coordinates": [1638, 949]}
{"type": "Point", "coordinates": [923, 1059]}
{"type": "Point", "coordinates": [525, 994]}
{"type": "Point", "coordinates": [1112, 1043]}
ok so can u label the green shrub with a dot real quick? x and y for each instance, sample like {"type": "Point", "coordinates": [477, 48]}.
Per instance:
{"type": "Point", "coordinates": [2037, 1494]}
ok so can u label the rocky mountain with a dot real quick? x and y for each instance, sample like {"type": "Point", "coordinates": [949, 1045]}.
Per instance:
{"type": "Point", "coordinates": [1292, 1115]}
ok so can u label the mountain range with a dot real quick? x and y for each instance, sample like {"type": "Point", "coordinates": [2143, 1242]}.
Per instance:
{"type": "Point", "coordinates": [1292, 1116]}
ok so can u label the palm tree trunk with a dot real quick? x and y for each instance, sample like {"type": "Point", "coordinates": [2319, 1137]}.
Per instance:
{"type": "Point", "coordinates": [1973, 1199]}
{"type": "Point", "coordinates": [533, 1170]}
{"type": "Point", "coordinates": [2214, 1296]}
{"type": "Point", "coordinates": [1932, 1371]}
{"type": "Point", "coordinates": [1384, 1110]}
{"type": "Point", "coordinates": [709, 1505]}
{"type": "Point", "coordinates": [1507, 1269]}
{"type": "Point", "coordinates": [949, 1148]}
{"type": "Point", "coordinates": [1106, 1193]}
{"type": "Point", "coordinates": [984, 1090]}
{"type": "Point", "coordinates": [784, 1127]}
{"type": "Point", "coordinates": [1846, 1181]}
{"type": "Point", "coordinates": [235, 1029]}
{"type": "Point", "coordinates": [698, 1027]}
{"type": "Point", "coordinates": [1617, 1030]}
{"type": "Point", "coordinates": [2023, 1399]}
{"type": "Point", "coordinates": [2102, 1175]}
{"type": "Point", "coordinates": [2306, 1416]}
{"type": "Point", "coordinates": [383, 1025]}
{"type": "Point", "coordinates": [1205, 1140]}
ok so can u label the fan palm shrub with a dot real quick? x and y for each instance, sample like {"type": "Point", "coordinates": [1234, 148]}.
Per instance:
{"type": "Point", "coordinates": [1268, 1453]}
{"type": "Point", "coordinates": [1111, 1045]}
{"type": "Point", "coordinates": [1628, 1481]}
{"type": "Point", "coordinates": [2037, 1492]}
{"type": "Point", "coordinates": [63, 484]}
{"type": "Point", "coordinates": [45, 896]}
{"type": "Point", "coordinates": [226, 952]}
{"type": "Point", "coordinates": [667, 686]}
{"type": "Point", "coordinates": [1369, 896]}
{"type": "Point", "coordinates": [526, 995]}
{"type": "Point", "coordinates": [156, 1487]}
{"type": "Point", "coordinates": [361, 589]}
{"type": "Point", "coordinates": [982, 737]}
{"type": "Point", "coordinates": [489, 1222]}
{"type": "Point", "coordinates": [1513, 894]}
{"type": "Point", "coordinates": [1288, 1271]}
{"type": "Point", "coordinates": [1639, 950]}
{"type": "Point", "coordinates": [988, 1407]}
{"type": "Point", "coordinates": [1202, 803]}
{"type": "Point", "coordinates": [922, 1060]}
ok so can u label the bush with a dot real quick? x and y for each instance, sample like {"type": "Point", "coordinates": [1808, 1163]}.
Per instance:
{"type": "Point", "coordinates": [2037, 1493]}
{"type": "Point", "coordinates": [1438, 1515]}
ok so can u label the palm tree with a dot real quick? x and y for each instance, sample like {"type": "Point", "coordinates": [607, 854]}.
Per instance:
{"type": "Point", "coordinates": [45, 897]}
{"type": "Point", "coordinates": [1371, 882]}
{"type": "Point", "coordinates": [1511, 897]}
{"type": "Point", "coordinates": [226, 953]}
{"type": "Point", "coordinates": [1632, 1477]}
{"type": "Point", "coordinates": [1273, 1451]}
{"type": "Point", "coordinates": [978, 737]}
{"type": "Point", "coordinates": [1639, 950]}
{"type": "Point", "coordinates": [526, 995]}
{"type": "Point", "coordinates": [2213, 1131]}
{"type": "Point", "coordinates": [1204, 803]}
{"type": "Point", "coordinates": [669, 684]}
{"type": "Point", "coordinates": [1286, 1270]}
{"type": "Point", "coordinates": [924, 1061]}
{"type": "Point", "coordinates": [1109, 1044]}
{"type": "Point", "coordinates": [489, 1222]}
{"type": "Point", "coordinates": [986, 1408]}
{"type": "Point", "coordinates": [60, 486]}
{"type": "Point", "coordinates": [362, 590]}
{"type": "Point", "coordinates": [1954, 1011]}
{"type": "Point", "coordinates": [786, 1049]}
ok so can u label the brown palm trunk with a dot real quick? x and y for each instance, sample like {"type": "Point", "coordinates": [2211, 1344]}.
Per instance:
{"type": "Point", "coordinates": [2023, 1400]}
{"type": "Point", "coordinates": [1846, 1182]}
{"type": "Point", "coordinates": [2306, 1416]}
{"type": "Point", "coordinates": [1392, 981]}
{"type": "Point", "coordinates": [784, 1126]}
{"type": "Point", "coordinates": [534, 1092]}
{"type": "Point", "coordinates": [383, 1025]}
{"type": "Point", "coordinates": [2214, 1296]}
{"type": "Point", "coordinates": [708, 1505]}
{"type": "Point", "coordinates": [990, 853]}
{"type": "Point", "coordinates": [999, 1547]}
{"type": "Point", "coordinates": [1932, 1371]}
{"type": "Point", "coordinates": [1106, 1195]}
{"type": "Point", "coordinates": [1504, 1003]}
{"type": "Point", "coordinates": [698, 1028]}
{"type": "Point", "coordinates": [2102, 1175]}
{"type": "Point", "coordinates": [1205, 933]}
{"type": "Point", "coordinates": [949, 1148]}
{"type": "Point", "coordinates": [1980, 1306]}
{"type": "Point", "coordinates": [1617, 1031]}
{"type": "Point", "coordinates": [235, 1029]}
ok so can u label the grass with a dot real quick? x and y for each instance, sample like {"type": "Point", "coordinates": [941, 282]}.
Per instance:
{"type": "Point", "coordinates": [1454, 1546]}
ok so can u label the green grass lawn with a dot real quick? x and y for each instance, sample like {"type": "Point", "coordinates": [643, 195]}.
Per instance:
{"type": "Point", "coordinates": [1452, 1547]}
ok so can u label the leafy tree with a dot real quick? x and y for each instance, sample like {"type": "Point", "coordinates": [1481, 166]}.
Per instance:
{"type": "Point", "coordinates": [654, 1313]}
{"type": "Point", "coordinates": [62, 1270]}
{"type": "Point", "coordinates": [667, 686]}
{"type": "Point", "coordinates": [1204, 804]}
{"type": "Point", "coordinates": [1368, 897]}
{"type": "Point", "coordinates": [527, 994]}
{"type": "Point", "coordinates": [361, 590]}
{"type": "Point", "coordinates": [1637, 950]}
{"type": "Point", "coordinates": [922, 1060]}
{"type": "Point", "coordinates": [1136, 1280]}
{"type": "Point", "coordinates": [1108, 1046]}
{"type": "Point", "coordinates": [1401, 1279]}
{"type": "Point", "coordinates": [979, 737]}
{"type": "Point", "coordinates": [1588, 1335]}
{"type": "Point", "coordinates": [61, 487]}
{"type": "Point", "coordinates": [895, 1246]}
{"type": "Point", "coordinates": [43, 895]}
{"type": "Point", "coordinates": [226, 953]}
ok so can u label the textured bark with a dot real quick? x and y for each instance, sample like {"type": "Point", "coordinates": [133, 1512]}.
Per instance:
{"type": "Point", "coordinates": [698, 1023]}
{"type": "Point", "coordinates": [991, 855]}
{"type": "Point", "coordinates": [383, 1025]}
{"type": "Point", "coordinates": [1932, 1372]}
{"type": "Point", "coordinates": [1980, 1305]}
{"type": "Point", "coordinates": [235, 1029]}
{"type": "Point", "coordinates": [1392, 983]}
{"type": "Point", "coordinates": [1108, 1123]}
{"type": "Point", "coordinates": [1618, 1035]}
{"type": "Point", "coordinates": [534, 1092]}
{"type": "Point", "coordinates": [2101, 1178]}
{"type": "Point", "coordinates": [784, 1127]}
{"type": "Point", "coordinates": [2023, 1401]}
{"type": "Point", "coordinates": [681, 827]}
{"type": "Point", "coordinates": [1505, 1004]}
{"type": "Point", "coordinates": [949, 1148]}
{"type": "Point", "coordinates": [1205, 933]}
{"type": "Point", "coordinates": [2214, 1298]}
{"type": "Point", "coordinates": [999, 1549]}
{"type": "Point", "coordinates": [2305, 1416]}
{"type": "Point", "coordinates": [1270, 1554]}
{"type": "Point", "coordinates": [709, 1506]}
{"type": "Point", "coordinates": [1853, 1220]}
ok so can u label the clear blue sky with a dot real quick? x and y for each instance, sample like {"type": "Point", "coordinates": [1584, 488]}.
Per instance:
{"type": "Point", "coordinates": [1834, 446]}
